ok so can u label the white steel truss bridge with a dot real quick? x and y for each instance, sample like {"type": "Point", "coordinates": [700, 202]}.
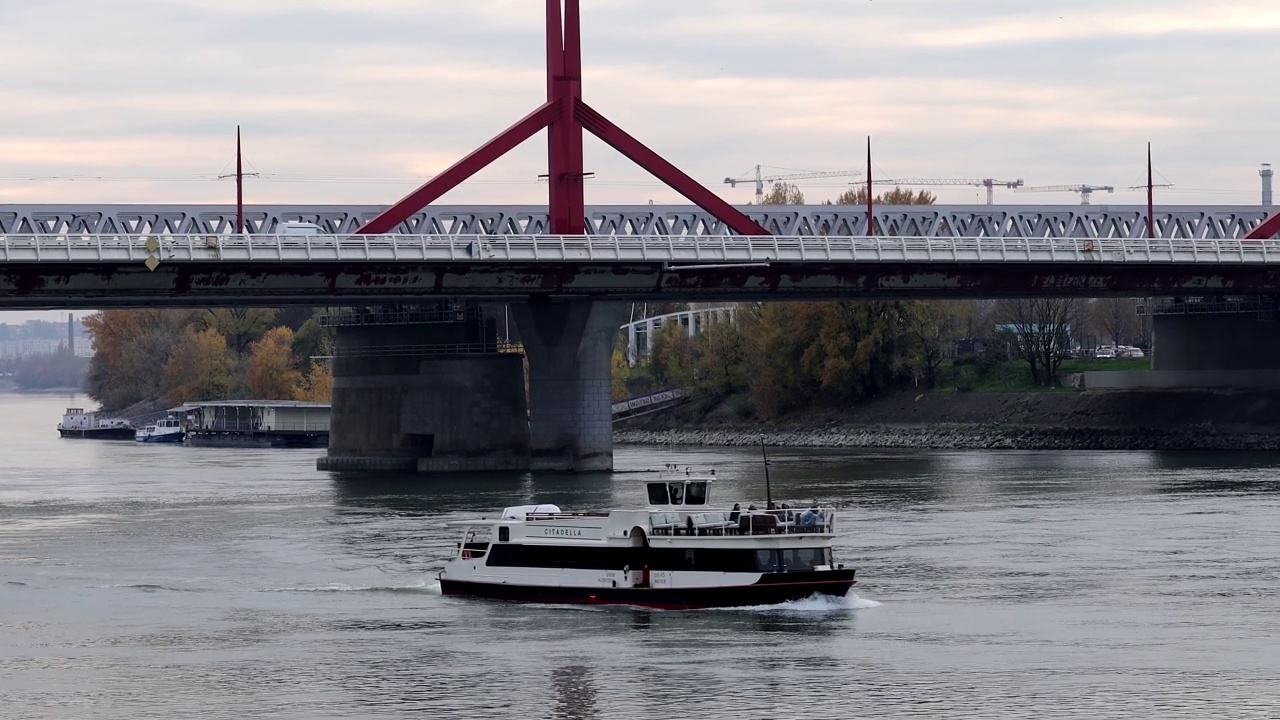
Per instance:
{"type": "Point", "coordinates": [971, 221]}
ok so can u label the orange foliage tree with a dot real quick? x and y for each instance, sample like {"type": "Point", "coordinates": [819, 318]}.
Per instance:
{"type": "Point", "coordinates": [269, 372]}
{"type": "Point", "coordinates": [199, 367]}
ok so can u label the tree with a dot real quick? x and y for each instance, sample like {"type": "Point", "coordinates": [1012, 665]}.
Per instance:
{"type": "Point", "coordinates": [312, 340]}
{"type": "Point", "coordinates": [199, 367]}
{"type": "Point", "coordinates": [132, 350]}
{"type": "Point", "coordinates": [1041, 332]}
{"type": "Point", "coordinates": [317, 386]}
{"type": "Point", "coordinates": [269, 371]}
{"type": "Point", "coordinates": [835, 351]}
{"type": "Point", "coordinates": [933, 326]}
{"type": "Point", "coordinates": [673, 356]}
{"type": "Point", "coordinates": [722, 362]}
{"type": "Point", "coordinates": [783, 194]}
{"type": "Point", "coordinates": [240, 326]}
{"type": "Point", "coordinates": [896, 196]}
{"type": "Point", "coordinates": [621, 373]}
{"type": "Point", "coordinates": [1116, 318]}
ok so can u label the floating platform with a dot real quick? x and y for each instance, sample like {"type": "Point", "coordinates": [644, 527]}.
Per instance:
{"type": "Point", "coordinates": [255, 423]}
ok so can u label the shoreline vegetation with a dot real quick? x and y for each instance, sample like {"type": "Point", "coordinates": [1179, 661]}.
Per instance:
{"type": "Point", "coordinates": [149, 360]}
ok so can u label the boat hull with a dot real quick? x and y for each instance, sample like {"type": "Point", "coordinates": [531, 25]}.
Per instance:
{"type": "Point", "coordinates": [113, 433]}
{"type": "Point", "coordinates": [772, 589]}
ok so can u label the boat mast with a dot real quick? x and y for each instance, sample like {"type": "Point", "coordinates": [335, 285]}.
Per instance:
{"type": "Point", "coordinates": [768, 492]}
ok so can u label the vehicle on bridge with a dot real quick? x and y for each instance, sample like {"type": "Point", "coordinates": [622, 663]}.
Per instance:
{"type": "Point", "coordinates": [676, 554]}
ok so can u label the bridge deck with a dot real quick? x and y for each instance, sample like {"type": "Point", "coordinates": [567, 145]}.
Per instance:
{"type": "Point", "coordinates": [582, 249]}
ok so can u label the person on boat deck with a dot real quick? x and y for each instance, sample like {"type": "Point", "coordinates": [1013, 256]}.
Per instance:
{"type": "Point", "coordinates": [811, 517]}
{"type": "Point", "coordinates": [735, 513]}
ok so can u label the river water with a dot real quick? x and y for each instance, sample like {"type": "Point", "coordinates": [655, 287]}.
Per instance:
{"type": "Point", "coordinates": [162, 582]}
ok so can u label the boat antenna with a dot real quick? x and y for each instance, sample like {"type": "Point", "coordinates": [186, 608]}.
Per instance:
{"type": "Point", "coordinates": [768, 492]}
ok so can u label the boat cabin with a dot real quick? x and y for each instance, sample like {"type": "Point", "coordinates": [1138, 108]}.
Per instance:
{"type": "Point", "coordinates": [679, 490]}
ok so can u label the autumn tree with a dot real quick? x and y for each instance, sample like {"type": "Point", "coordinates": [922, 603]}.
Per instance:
{"type": "Point", "coordinates": [825, 351]}
{"type": "Point", "coordinates": [317, 385]}
{"type": "Point", "coordinates": [1041, 332]}
{"type": "Point", "coordinates": [240, 326]}
{"type": "Point", "coordinates": [783, 194]}
{"type": "Point", "coordinates": [621, 372]}
{"type": "Point", "coordinates": [132, 349]}
{"type": "Point", "coordinates": [722, 363]}
{"type": "Point", "coordinates": [269, 371]}
{"type": "Point", "coordinates": [673, 356]}
{"type": "Point", "coordinates": [199, 367]}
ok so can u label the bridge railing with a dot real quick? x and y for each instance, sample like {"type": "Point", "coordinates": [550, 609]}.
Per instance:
{"type": "Point", "coordinates": [488, 249]}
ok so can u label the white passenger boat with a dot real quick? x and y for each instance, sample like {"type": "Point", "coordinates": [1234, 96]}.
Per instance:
{"type": "Point", "coordinates": [168, 430]}
{"type": "Point", "coordinates": [678, 553]}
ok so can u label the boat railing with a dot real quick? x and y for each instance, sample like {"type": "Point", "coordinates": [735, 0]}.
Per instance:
{"type": "Point", "coordinates": [534, 517]}
{"type": "Point", "coordinates": [783, 521]}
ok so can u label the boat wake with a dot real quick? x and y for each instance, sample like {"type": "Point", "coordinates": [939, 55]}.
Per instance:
{"type": "Point", "coordinates": [813, 603]}
{"type": "Point", "coordinates": [427, 588]}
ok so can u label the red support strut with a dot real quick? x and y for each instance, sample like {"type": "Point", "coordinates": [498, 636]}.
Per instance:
{"type": "Point", "coordinates": [564, 115]}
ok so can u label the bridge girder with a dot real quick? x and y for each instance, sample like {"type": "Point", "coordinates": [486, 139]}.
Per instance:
{"type": "Point", "coordinates": [1014, 221]}
{"type": "Point", "coordinates": [77, 286]}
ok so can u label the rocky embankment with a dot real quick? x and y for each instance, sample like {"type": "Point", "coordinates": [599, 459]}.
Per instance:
{"type": "Point", "coordinates": [1183, 420]}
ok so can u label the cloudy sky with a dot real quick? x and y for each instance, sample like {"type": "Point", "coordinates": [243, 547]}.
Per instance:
{"type": "Point", "coordinates": [359, 100]}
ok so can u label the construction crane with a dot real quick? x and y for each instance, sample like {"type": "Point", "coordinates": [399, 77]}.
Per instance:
{"type": "Point", "coordinates": [1085, 190]}
{"type": "Point", "coordinates": [989, 183]}
{"type": "Point", "coordinates": [759, 179]}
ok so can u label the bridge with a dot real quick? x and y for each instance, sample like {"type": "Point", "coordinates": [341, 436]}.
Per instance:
{"type": "Point", "coordinates": [569, 267]}
{"type": "Point", "coordinates": [988, 221]}
{"type": "Point", "coordinates": [1083, 253]}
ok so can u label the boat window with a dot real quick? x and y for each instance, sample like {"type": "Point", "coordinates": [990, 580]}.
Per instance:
{"type": "Point", "coordinates": [563, 556]}
{"type": "Point", "coordinates": [804, 559]}
{"type": "Point", "coordinates": [695, 493]}
{"type": "Point", "coordinates": [504, 534]}
{"type": "Point", "coordinates": [677, 493]}
{"type": "Point", "coordinates": [657, 493]}
{"type": "Point", "coordinates": [766, 561]}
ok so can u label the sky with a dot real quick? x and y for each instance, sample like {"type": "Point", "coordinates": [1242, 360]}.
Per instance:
{"type": "Point", "coordinates": [359, 101]}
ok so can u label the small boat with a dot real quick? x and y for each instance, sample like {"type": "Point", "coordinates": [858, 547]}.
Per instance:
{"type": "Point", "coordinates": [168, 430]}
{"type": "Point", "coordinates": [76, 423]}
{"type": "Point", "coordinates": [678, 553]}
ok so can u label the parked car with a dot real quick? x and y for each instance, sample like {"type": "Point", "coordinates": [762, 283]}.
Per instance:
{"type": "Point", "coordinates": [1105, 352]}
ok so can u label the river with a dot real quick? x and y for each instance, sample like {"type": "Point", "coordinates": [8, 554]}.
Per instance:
{"type": "Point", "coordinates": [173, 582]}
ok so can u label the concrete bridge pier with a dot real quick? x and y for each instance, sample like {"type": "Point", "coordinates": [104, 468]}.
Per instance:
{"type": "Point", "coordinates": [425, 390]}
{"type": "Point", "coordinates": [1227, 349]}
{"type": "Point", "coordinates": [569, 346]}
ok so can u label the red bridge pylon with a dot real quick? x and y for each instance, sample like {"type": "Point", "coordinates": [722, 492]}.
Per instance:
{"type": "Point", "coordinates": [565, 115]}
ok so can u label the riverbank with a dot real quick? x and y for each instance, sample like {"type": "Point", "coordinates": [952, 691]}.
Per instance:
{"type": "Point", "coordinates": [1166, 420]}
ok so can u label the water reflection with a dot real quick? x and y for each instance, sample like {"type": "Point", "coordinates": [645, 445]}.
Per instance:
{"type": "Point", "coordinates": [472, 492]}
{"type": "Point", "coordinates": [575, 692]}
